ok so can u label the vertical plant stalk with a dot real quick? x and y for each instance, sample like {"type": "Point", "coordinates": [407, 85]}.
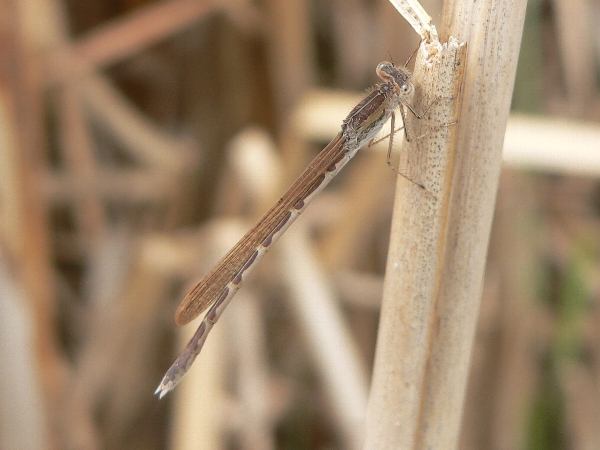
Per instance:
{"type": "Point", "coordinates": [439, 242]}
{"type": "Point", "coordinates": [414, 261]}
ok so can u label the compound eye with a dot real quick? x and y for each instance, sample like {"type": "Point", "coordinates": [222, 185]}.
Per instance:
{"type": "Point", "coordinates": [383, 70]}
{"type": "Point", "coordinates": [407, 90]}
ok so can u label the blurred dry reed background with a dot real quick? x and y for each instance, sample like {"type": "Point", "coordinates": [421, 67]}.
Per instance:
{"type": "Point", "coordinates": [140, 139]}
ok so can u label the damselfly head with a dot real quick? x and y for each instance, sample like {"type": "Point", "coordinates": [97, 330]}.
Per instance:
{"type": "Point", "coordinates": [399, 77]}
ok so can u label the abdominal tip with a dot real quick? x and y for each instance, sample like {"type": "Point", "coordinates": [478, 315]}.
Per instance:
{"type": "Point", "coordinates": [163, 389]}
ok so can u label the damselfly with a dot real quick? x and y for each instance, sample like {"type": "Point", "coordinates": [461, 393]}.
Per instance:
{"type": "Point", "coordinates": [217, 288]}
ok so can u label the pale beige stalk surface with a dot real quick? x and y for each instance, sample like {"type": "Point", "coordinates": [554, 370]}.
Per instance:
{"type": "Point", "coordinates": [439, 239]}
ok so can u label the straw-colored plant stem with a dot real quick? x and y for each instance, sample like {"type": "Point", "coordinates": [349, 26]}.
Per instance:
{"type": "Point", "coordinates": [439, 242]}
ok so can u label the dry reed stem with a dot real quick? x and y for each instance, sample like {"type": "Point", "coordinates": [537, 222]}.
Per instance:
{"type": "Point", "coordinates": [576, 35]}
{"type": "Point", "coordinates": [22, 422]}
{"type": "Point", "coordinates": [438, 248]}
{"type": "Point", "coordinates": [417, 17]}
{"type": "Point", "coordinates": [330, 342]}
{"type": "Point", "coordinates": [26, 242]}
{"type": "Point", "coordinates": [123, 37]}
{"type": "Point", "coordinates": [552, 145]}
{"type": "Point", "coordinates": [409, 326]}
{"type": "Point", "coordinates": [256, 422]}
{"type": "Point", "coordinates": [200, 413]}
